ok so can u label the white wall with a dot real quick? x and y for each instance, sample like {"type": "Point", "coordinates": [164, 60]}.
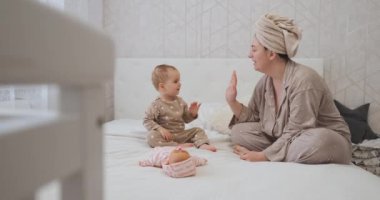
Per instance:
{"type": "Point", "coordinates": [345, 33]}
{"type": "Point", "coordinates": [89, 11]}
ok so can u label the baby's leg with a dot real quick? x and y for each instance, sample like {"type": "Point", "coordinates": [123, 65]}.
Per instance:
{"type": "Point", "coordinates": [155, 139]}
{"type": "Point", "coordinates": [208, 147]}
{"type": "Point", "coordinates": [199, 138]}
{"type": "Point", "coordinates": [185, 145]}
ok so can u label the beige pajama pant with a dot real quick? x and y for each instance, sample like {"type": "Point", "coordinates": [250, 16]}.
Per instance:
{"type": "Point", "coordinates": [314, 146]}
{"type": "Point", "coordinates": [193, 135]}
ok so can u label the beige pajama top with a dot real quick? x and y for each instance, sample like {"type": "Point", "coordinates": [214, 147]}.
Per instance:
{"type": "Point", "coordinates": [169, 115]}
{"type": "Point", "coordinates": [306, 103]}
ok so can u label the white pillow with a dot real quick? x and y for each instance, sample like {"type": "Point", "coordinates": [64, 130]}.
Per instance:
{"type": "Point", "coordinates": [220, 118]}
{"type": "Point", "coordinates": [206, 111]}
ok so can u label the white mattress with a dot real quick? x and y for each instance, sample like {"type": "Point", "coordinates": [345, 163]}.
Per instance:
{"type": "Point", "coordinates": [225, 176]}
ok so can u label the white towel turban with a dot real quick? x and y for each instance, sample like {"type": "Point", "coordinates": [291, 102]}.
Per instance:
{"type": "Point", "coordinates": [278, 34]}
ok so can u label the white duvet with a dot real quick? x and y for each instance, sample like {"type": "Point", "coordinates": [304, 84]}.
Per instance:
{"type": "Point", "coordinates": [225, 176]}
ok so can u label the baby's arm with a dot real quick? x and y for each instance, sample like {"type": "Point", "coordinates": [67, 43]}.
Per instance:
{"type": "Point", "coordinates": [189, 114]}
{"type": "Point", "coordinates": [158, 157]}
{"type": "Point", "coordinates": [146, 163]}
{"type": "Point", "coordinates": [193, 109]}
{"type": "Point", "coordinates": [150, 121]}
{"type": "Point", "coordinates": [151, 115]}
{"type": "Point", "coordinates": [199, 161]}
{"type": "Point", "coordinates": [149, 163]}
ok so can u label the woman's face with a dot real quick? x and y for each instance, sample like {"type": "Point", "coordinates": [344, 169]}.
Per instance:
{"type": "Point", "coordinates": [259, 56]}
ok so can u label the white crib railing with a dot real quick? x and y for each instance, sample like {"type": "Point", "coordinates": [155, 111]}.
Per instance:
{"type": "Point", "coordinates": [41, 46]}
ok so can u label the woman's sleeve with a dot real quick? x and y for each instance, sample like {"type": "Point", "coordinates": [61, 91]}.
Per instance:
{"type": "Point", "coordinates": [251, 112]}
{"type": "Point", "coordinates": [304, 106]}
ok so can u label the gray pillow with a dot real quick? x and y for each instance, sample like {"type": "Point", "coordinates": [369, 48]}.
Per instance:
{"type": "Point", "coordinates": [357, 122]}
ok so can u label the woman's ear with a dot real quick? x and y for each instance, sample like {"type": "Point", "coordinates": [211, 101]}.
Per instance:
{"type": "Point", "coordinates": [272, 55]}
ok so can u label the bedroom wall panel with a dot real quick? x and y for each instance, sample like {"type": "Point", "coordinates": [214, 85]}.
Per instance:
{"type": "Point", "coordinates": [345, 33]}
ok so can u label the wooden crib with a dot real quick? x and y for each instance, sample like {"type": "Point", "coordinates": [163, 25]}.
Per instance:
{"type": "Point", "coordinates": [39, 45]}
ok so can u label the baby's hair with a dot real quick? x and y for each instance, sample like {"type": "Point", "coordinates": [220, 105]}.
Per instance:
{"type": "Point", "coordinates": [160, 74]}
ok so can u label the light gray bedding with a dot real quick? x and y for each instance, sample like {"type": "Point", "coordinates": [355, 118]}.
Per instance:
{"type": "Point", "coordinates": [225, 176]}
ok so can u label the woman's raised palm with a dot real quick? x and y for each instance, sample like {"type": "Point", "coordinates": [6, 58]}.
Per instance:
{"type": "Point", "coordinates": [231, 91]}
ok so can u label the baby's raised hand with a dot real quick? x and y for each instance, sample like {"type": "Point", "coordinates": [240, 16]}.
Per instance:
{"type": "Point", "coordinates": [194, 107]}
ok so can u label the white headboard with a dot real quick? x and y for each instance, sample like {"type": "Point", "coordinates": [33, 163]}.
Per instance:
{"type": "Point", "coordinates": [203, 80]}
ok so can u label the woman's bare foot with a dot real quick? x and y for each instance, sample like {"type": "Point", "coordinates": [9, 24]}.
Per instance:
{"type": "Point", "coordinates": [208, 147]}
{"type": "Point", "coordinates": [239, 150]}
{"type": "Point", "coordinates": [254, 156]}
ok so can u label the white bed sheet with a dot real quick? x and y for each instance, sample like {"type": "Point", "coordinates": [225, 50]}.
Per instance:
{"type": "Point", "coordinates": [225, 176]}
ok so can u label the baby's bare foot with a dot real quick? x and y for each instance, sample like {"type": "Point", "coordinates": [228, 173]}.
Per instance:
{"type": "Point", "coordinates": [185, 145]}
{"type": "Point", "coordinates": [208, 147]}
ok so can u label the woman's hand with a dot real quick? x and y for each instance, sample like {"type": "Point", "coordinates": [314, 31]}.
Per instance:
{"type": "Point", "coordinates": [231, 91]}
{"type": "Point", "coordinates": [193, 109]}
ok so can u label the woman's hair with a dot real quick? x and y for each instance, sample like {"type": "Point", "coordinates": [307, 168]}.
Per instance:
{"type": "Point", "coordinates": [284, 57]}
{"type": "Point", "coordinates": [160, 74]}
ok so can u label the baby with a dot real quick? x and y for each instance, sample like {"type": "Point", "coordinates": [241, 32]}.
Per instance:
{"type": "Point", "coordinates": [166, 117]}
{"type": "Point", "coordinates": [174, 161]}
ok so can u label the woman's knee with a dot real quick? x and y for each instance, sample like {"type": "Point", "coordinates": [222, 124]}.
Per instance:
{"type": "Point", "coordinates": [236, 134]}
{"type": "Point", "coordinates": [249, 135]}
{"type": "Point", "coordinates": [319, 145]}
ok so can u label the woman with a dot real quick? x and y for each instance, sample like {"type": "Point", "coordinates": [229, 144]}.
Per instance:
{"type": "Point", "coordinates": [291, 116]}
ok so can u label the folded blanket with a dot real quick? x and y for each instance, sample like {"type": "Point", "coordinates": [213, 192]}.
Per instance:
{"type": "Point", "coordinates": [373, 162]}
{"type": "Point", "coordinates": [367, 158]}
{"type": "Point", "coordinates": [364, 152]}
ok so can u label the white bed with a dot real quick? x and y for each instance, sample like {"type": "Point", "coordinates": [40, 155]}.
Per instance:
{"type": "Point", "coordinates": [225, 176]}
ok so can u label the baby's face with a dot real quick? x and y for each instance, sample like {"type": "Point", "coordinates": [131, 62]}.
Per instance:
{"type": "Point", "coordinates": [172, 86]}
{"type": "Point", "coordinates": [178, 155]}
